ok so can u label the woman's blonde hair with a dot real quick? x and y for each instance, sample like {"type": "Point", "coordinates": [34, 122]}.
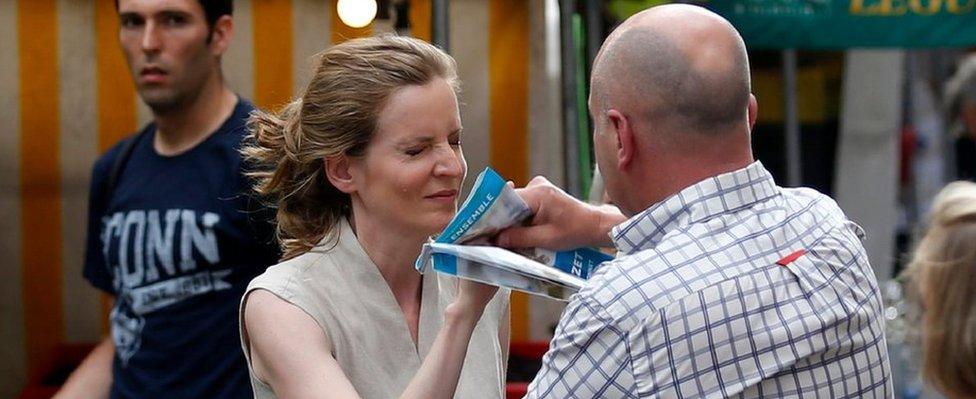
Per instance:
{"type": "Point", "coordinates": [943, 277]}
{"type": "Point", "coordinates": [336, 114]}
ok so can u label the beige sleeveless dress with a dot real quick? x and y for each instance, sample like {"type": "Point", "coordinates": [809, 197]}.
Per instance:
{"type": "Point", "coordinates": [342, 289]}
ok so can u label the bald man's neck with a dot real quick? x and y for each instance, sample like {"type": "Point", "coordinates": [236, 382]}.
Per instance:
{"type": "Point", "coordinates": [662, 169]}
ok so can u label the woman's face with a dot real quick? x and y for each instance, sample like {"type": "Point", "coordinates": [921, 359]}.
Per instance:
{"type": "Point", "coordinates": [411, 173]}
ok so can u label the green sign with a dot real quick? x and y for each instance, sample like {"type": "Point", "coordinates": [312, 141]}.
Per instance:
{"type": "Point", "coordinates": [835, 24]}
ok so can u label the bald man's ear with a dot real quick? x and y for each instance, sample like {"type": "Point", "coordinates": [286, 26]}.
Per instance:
{"type": "Point", "coordinates": [753, 111]}
{"type": "Point", "coordinates": [623, 131]}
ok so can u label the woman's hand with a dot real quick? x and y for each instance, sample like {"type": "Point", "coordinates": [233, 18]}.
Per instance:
{"type": "Point", "coordinates": [471, 300]}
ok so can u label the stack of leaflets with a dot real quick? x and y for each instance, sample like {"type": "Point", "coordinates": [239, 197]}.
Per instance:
{"type": "Point", "coordinates": [462, 249]}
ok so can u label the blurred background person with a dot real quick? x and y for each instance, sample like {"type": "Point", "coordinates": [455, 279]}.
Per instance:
{"type": "Point", "coordinates": [171, 232]}
{"type": "Point", "coordinates": [943, 280]}
{"type": "Point", "coordinates": [961, 105]}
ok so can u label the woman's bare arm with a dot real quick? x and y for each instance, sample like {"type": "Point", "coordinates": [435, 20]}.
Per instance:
{"type": "Point", "coordinates": [290, 352]}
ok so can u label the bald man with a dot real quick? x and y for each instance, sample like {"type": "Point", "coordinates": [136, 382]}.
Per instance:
{"type": "Point", "coordinates": [724, 284]}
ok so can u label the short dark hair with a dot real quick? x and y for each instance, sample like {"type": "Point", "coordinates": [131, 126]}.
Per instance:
{"type": "Point", "coordinates": [212, 9]}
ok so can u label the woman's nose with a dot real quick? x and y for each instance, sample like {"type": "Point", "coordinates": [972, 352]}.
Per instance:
{"type": "Point", "coordinates": [450, 162]}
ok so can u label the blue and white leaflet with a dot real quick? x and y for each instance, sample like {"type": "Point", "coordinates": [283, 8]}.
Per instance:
{"type": "Point", "coordinates": [462, 249]}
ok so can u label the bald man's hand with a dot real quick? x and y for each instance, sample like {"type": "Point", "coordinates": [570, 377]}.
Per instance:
{"type": "Point", "coordinates": [559, 221]}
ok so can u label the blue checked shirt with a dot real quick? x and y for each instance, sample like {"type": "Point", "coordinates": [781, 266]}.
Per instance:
{"type": "Point", "coordinates": [705, 300]}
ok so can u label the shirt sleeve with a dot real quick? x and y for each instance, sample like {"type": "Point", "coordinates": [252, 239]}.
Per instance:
{"type": "Point", "coordinates": [589, 357]}
{"type": "Point", "coordinates": [95, 269]}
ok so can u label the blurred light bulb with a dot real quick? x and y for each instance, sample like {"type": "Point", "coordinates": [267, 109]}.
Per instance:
{"type": "Point", "coordinates": [356, 13]}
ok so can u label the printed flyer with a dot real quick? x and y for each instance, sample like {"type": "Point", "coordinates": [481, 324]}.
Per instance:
{"type": "Point", "coordinates": [461, 249]}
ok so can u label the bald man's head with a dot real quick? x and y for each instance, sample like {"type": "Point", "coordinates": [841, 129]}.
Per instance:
{"type": "Point", "coordinates": [675, 67]}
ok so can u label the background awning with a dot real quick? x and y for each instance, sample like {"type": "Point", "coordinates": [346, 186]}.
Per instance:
{"type": "Point", "coordinates": [838, 24]}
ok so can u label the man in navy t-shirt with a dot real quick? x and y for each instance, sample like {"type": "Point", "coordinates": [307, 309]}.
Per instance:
{"type": "Point", "coordinates": [173, 234]}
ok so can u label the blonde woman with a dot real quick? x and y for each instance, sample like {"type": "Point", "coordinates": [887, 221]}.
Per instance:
{"type": "Point", "coordinates": [943, 275]}
{"type": "Point", "coordinates": [363, 168]}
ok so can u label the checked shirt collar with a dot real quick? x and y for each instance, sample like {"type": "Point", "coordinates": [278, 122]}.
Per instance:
{"type": "Point", "coordinates": [710, 197]}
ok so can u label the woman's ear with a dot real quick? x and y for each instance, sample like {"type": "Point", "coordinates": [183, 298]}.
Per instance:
{"type": "Point", "coordinates": [337, 170]}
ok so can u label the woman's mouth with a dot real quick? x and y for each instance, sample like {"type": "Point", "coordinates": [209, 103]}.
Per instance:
{"type": "Point", "coordinates": [443, 195]}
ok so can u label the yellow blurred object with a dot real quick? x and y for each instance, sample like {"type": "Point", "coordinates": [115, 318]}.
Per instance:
{"type": "Point", "coordinates": [814, 98]}
{"type": "Point", "coordinates": [356, 13]}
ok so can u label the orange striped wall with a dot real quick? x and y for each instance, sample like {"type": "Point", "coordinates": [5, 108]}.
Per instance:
{"type": "Point", "coordinates": [272, 53]}
{"type": "Point", "coordinates": [116, 93]}
{"type": "Point", "coordinates": [267, 49]}
{"type": "Point", "coordinates": [420, 18]}
{"type": "Point", "coordinates": [40, 178]}
{"type": "Point", "coordinates": [116, 96]}
{"type": "Point", "coordinates": [508, 71]}
{"type": "Point", "coordinates": [12, 333]}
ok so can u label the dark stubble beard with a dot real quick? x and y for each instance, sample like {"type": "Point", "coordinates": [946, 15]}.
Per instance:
{"type": "Point", "coordinates": [177, 101]}
{"type": "Point", "coordinates": [185, 96]}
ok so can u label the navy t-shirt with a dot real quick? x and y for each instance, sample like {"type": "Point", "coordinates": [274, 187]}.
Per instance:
{"type": "Point", "coordinates": [176, 244]}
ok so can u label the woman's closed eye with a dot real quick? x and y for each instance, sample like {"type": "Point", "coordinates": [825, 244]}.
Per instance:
{"type": "Point", "coordinates": [423, 145]}
{"type": "Point", "coordinates": [414, 151]}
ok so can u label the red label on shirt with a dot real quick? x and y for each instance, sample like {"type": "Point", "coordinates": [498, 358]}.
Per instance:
{"type": "Point", "coordinates": [791, 257]}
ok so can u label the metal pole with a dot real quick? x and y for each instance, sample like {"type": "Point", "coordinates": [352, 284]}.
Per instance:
{"type": "Point", "coordinates": [439, 26]}
{"type": "Point", "coordinates": [594, 39]}
{"type": "Point", "coordinates": [943, 67]}
{"type": "Point", "coordinates": [594, 29]}
{"type": "Point", "coordinates": [908, 196]}
{"type": "Point", "coordinates": [794, 176]}
{"type": "Point", "coordinates": [567, 55]}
